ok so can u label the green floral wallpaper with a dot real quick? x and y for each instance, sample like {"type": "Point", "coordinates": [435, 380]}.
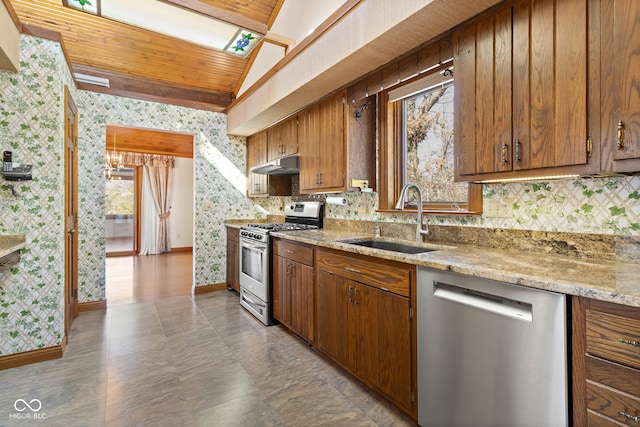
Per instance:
{"type": "Point", "coordinates": [32, 126]}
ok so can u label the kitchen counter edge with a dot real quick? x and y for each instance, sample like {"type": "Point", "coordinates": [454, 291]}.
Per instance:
{"type": "Point", "coordinates": [11, 242]}
{"type": "Point", "coordinates": [611, 281]}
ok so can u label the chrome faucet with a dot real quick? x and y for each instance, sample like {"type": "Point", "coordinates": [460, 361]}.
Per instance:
{"type": "Point", "coordinates": [400, 205]}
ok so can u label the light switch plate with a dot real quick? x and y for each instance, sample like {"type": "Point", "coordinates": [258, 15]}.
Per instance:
{"type": "Point", "coordinates": [498, 208]}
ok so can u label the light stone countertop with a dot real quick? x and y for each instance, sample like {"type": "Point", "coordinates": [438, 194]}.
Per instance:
{"type": "Point", "coordinates": [11, 243]}
{"type": "Point", "coordinates": [606, 280]}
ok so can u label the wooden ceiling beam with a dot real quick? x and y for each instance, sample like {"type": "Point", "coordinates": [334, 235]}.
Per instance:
{"type": "Point", "coordinates": [220, 14]}
{"type": "Point", "coordinates": [142, 88]}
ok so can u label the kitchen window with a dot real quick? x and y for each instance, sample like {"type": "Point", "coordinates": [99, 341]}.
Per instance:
{"type": "Point", "coordinates": [417, 123]}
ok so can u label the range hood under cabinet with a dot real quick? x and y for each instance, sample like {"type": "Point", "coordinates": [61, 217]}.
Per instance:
{"type": "Point", "coordinates": [285, 166]}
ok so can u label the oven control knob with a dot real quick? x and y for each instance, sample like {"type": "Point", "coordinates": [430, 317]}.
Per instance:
{"type": "Point", "coordinates": [292, 207]}
{"type": "Point", "coordinates": [258, 236]}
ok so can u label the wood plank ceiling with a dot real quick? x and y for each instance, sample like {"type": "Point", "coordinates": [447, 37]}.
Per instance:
{"type": "Point", "coordinates": [146, 65]}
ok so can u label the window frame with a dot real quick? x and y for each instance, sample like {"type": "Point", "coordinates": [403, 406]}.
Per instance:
{"type": "Point", "coordinates": [391, 161]}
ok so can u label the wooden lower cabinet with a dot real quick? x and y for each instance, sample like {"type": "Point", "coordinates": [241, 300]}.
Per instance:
{"type": "Point", "coordinates": [606, 363]}
{"type": "Point", "coordinates": [366, 329]}
{"type": "Point", "coordinates": [293, 283]}
{"type": "Point", "coordinates": [233, 259]}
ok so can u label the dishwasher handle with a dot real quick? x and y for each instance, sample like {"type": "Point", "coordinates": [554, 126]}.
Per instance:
{"type": "Point", "coordinates": [487, 302]}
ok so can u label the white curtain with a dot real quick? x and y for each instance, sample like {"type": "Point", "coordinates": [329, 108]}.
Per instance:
{"type": "Point", "coordinates": [156, 200]}
{"type": "Point", "coordinates": [160, 184]}
{"type": "Point", "coordinates": [150, 222]}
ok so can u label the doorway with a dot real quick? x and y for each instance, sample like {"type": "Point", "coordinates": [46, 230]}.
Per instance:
{"type": "Point", "coordinates": [131, 277]}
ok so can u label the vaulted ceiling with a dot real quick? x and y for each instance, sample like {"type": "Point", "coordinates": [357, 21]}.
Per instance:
{"type": "Point", "coordinates": [145, 65]}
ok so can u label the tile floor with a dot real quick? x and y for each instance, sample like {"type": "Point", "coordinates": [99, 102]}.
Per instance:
{"type": "Point", "coordinates": [187, 361]}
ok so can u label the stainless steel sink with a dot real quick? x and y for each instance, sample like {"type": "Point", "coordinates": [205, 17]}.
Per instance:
{"type": "Point", "coordinates": [390, 246]}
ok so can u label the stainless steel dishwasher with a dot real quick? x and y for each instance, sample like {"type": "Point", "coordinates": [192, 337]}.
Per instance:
{"type": "Point", "coordinates": [490, 353]}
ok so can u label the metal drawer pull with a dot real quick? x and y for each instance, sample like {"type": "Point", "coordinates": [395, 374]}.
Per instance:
{"type": "Point", "coordinates": [620, 143]}
{"type": "Point", "coordinates": [352, 269]}
{"type": "Point", "coordinates": [633, 343]}
{"type": "Point", "coordinates": [630, 417]}
{"type": "Point", "coordinates": [288, 251]}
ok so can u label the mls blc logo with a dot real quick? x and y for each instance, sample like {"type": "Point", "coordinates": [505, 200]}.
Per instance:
{"type": "Point", "coordinates": [28, 410]}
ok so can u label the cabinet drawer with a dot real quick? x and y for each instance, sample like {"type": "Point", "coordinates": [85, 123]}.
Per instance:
{"type": "Point", "coordinates": [612, 337]}
{"type": "Point", "coordinates": [298, 252]}
{"type": "Point", "coordinates": [613, 375]}
{"type": "Point", "coordinates": [613, 404]}
{"type": "Point", "coordinates": [380, 273]}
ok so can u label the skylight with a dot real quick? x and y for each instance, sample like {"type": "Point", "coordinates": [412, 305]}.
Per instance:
{"type": "Point", "coordinates": [164, 18]}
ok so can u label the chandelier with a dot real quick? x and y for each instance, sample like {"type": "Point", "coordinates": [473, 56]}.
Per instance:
{"type": "Point", "coordinates": [112, 160]}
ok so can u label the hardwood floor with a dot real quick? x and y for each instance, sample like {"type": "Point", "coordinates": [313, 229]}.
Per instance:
{"type": "Point", "coordinates": [119, 244]}
{"type": "Point", "coordinates": [148, 277]}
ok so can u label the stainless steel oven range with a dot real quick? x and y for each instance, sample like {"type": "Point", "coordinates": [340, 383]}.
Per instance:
{"type": "Point", "coordinates": [255, 256]}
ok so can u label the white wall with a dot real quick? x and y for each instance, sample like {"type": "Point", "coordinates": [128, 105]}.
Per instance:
{"type": "Point", "coordinates": [181, 220]}
{"type": "Point", "coordinates": [296, 20]}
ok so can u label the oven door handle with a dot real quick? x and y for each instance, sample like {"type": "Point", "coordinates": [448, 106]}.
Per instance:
{"type": "Point", "coordinates": [250, 245]}
{"type": "Point", "coordinates": [251, 301]}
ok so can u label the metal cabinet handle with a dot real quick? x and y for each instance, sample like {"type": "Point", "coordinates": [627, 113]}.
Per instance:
{"type": "Point", "coordinates": [352, 269]}
{"type": "Point", "coordinates": [504, 153]}
{"type": "Point", "coordinates": [629, 416]}
{"type": "Point", "coordinates": [517, 150]}
{"type": "Point", "coordinates": [620, 144]}
{"type": "Point", "coordinates": [633, 343]}
{"type": "Point", "coordinates": [288, 251]}
{"type": "Point", "coordinates": [350, 294]}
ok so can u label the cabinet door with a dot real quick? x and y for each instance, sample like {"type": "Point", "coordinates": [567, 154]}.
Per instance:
{"type": "Point", "coordinates": [332, 308]}
{"type": "Point", "coordinates": [331, 141]}
{"type": "Point", "coordinates": [274, 143]}
{"type": "Point", "coordinates": [624, 124]}
{"type": "Point", "coordinates": [302, 311]}
{"type": "Point", "coordinates": [308, 148]}
{"type": "Point", "coordinates": [553, 132]}
{"type": "Point", "coordinates": [483, 105]}
{"type": "Point", "coordinates": [394, 348]}
{"type": "Point", "coordinates": [282, 139]}
{"type": "Point", "coordinates": [493, 93]}
{"type": "Point", "coordinates": [365, 324]}
{"type": "Point", "coordinates": [282, 291]}
{"type": "Point", "coordinates": [257, 185]}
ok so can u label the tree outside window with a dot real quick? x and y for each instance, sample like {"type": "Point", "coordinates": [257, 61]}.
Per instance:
{"type": "Point", "coordinates": [428, 146]}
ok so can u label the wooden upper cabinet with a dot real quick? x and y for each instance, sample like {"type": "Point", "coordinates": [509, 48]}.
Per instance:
{"type": "Point", "coordinates": [308, 148]}
{"type": "Point", "coordinates": [256, 155]}
{"type": "Point", "coordinates": [621, 85]}
{"type": "Point", "coordinates": [526, 104]}
{"type": "Point", "coordinates": [322, 154]}
{"type": "Point", "coordinates": [335, 146]}
{"type": "Point", "coordinates": [282, 139]}
{"type": "Point", "coordinates": [262, 185]}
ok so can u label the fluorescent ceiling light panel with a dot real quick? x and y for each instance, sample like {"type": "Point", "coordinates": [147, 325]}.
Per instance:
{"type": "Point", "coordinates": [92, 80]}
